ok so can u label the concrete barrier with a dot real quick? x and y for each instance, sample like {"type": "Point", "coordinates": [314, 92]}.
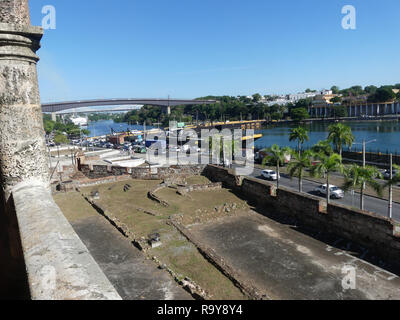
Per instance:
{"type": "Point", "coordinates": [58, 265]}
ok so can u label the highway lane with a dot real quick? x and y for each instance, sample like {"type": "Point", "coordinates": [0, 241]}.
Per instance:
{"type": "Point", "coordinates": [371, 204]}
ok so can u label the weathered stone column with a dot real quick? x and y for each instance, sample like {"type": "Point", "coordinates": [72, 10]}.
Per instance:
{"type": "Point", "coordinates": [22, 143]}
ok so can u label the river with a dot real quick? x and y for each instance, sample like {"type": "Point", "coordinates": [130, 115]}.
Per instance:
{"type": "Point", "coordinates": [100, 128]}
{"type": "Point", "coordinates": [386, 133]}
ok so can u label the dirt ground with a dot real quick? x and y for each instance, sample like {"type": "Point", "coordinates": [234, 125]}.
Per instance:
{"type": "Point", "coordinates": [279, 259]}
{"type": "Point", "coordinates": [126, 267]}
{"type": "Point", "coordinates": [176, 252]}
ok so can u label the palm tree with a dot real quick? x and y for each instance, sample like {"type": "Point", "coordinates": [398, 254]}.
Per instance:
{"type": "Point", "coordinates": [276, 156]}
{"type": "Point", "coordinates": [325, 167]}
{"type": "Point", "coordinates": [358, 177]}
{"type": "Point", "coordinates": [324, 147]}
{"type": "Point", "coordinates": [300, 134]}
{"type": "Point", "coordinates": [340, 135]}
{"type": "Point", "coordinates": [298, 165]}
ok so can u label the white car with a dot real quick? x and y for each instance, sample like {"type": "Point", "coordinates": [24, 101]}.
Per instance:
{"type": "Point", "coordinates": [270, 175]}
{"type": "Point", "coordinates": [334, 191]}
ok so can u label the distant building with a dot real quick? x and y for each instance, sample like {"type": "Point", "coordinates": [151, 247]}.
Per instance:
{"type": "Point", "coordinates": [118, 139]}
{"type": "Point", "coordinates": [299, 96]}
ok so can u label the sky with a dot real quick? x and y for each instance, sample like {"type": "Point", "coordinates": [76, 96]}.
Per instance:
{"type": "Point", "coordinates": [193, 48]}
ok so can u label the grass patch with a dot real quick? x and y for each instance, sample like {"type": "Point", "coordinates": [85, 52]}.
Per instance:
{"type": "Point", "coordinates": [176, 251]}
{"type": "Point", "coordinates": [74, 206]}
{"type": "Point", "coordinates": [184, 258]}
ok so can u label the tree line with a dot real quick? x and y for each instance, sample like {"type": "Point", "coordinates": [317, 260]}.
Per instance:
{"type": "Point", "coordinates": [227, 108]}
{"type": "Point", "coordinates": [322, 160]}
{"type": "Point", "coordinates": [252, 108]}
{"type": "Point", "coordinates": [61, 131]}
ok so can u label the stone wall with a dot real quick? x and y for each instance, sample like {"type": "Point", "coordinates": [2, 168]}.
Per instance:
{"type": "Point", "coordinates": [218, 174]}
{"type": "Point", "coordinates": [14, 12]}
{"type": "Point", "coordinates": [142, 173]}
{"type": "Point", "coordinates": [58, 265]}
{"type": "Point", "coordinates": [379, 234]}
{"type": "Point", "coordinates": [199, 187]}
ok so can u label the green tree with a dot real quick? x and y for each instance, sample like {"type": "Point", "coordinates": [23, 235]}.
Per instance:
{"type": "Point", "coordinates": [340, 135]}
{"type": "Point", "coordinates": [340, 111]}
{"type": "Point", "coordinates": [304, 103]}
{"type": "Point", "coordinates": [297, 166]}
{"type": "Point", "coordinates": [276, 116]}
{"type": "Point", "coordinates": [383, 94]}
{"type": "Point", "coordinates": [60, 139]}
{"type": "Point", "coordinates": [336, 99]}
{"type": "Point", "coordinates": [370, 89]}
{"type": "Point", "coordinates": [256, 97]}
{"type": "Point", "coordinates": [358, 177]}
{"type": "Point", "coordinates": [335, 89]}
{"type": "Point", "coordinates": [323, 147]}
{"type": "Point", "coordinates": [85, 132]}
{"type": "Point", "coordinates": [48, 126]}
{"type": "Point", "coordinates": [276, 156]}
{"type": "Point", "coordinates": [299, 134]}
{"type": "Point", "coordinates": [299, 114]}
{"type": "Point", "coordinates": [326, 166]}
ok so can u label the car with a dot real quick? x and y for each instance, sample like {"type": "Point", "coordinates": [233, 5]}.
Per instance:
{"type": "Point", "coordinates": [386, 174]}
{"type": "Point", "coordinates": [270, 175]}
{"type": "Point", "coordinates": [335, 192]}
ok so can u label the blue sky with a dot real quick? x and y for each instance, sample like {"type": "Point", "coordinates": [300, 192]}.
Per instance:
{"type": "Point", "coordinates": [193, 48]}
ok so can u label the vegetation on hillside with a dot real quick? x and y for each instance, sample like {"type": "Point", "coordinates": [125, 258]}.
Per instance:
{"type": "Point", "coordinates": [62, 131]}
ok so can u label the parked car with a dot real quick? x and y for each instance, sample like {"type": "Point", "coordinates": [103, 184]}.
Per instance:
{"type": "Point", "coordinates": [335, 192]}
{"type": "Point", "coordinates": [270, 175]}
{"type": "Point", "coordinates": [386, 174]}
{"type": "Point", "coordinates": [108, 145]}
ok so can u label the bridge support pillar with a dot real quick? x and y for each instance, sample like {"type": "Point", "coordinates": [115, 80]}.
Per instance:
{"type": "Point", "coordinates": [53, 116]}
{"type": "Point", "coordinates": [167, 110]}
{"type": "Point", "coordinates": [22, 143]}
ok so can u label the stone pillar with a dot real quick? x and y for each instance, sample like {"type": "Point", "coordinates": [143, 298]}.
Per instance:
{"type": "Point", "coordinates": [22, 139]}
{"type": "Point", "coordinates": [54, 116]}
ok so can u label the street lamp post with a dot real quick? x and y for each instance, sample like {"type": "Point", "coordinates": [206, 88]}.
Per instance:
{"type": "Point", "coordinates": [390, 204]}
{"type": "Point", "coordinates": [364, 147]}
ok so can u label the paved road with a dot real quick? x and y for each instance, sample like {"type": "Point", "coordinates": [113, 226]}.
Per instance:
{"type": "Point", "coordinates": [371, 204]}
